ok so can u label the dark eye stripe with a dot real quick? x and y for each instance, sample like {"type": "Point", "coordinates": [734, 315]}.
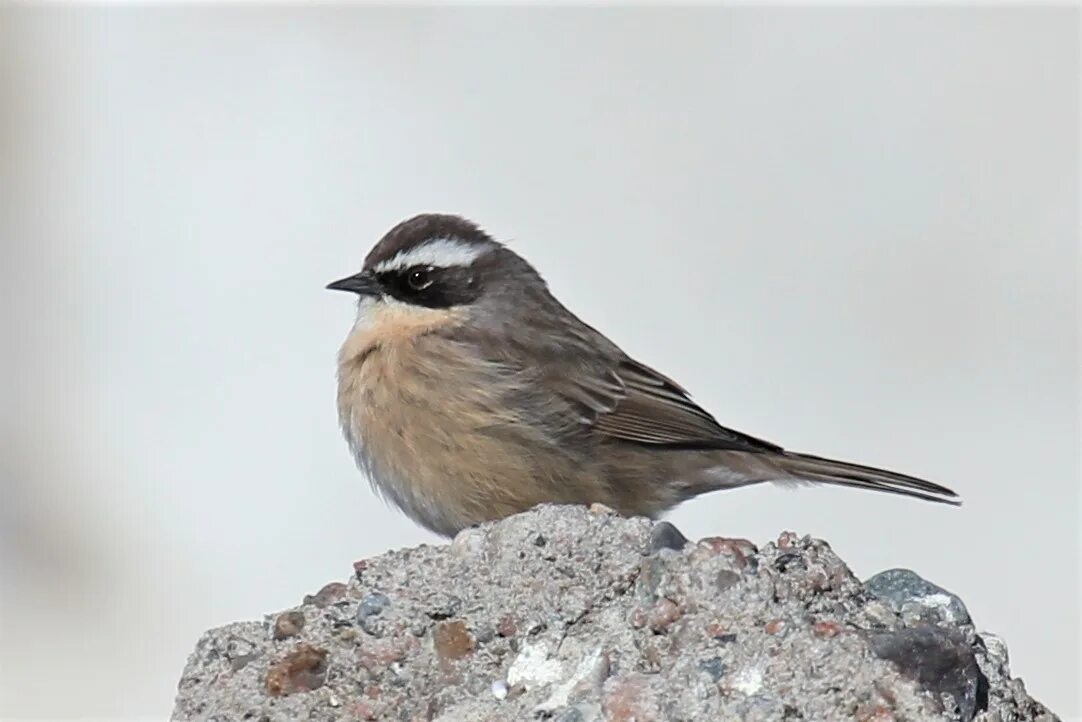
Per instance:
{"type": "Point", "coordinates": [431, 286]}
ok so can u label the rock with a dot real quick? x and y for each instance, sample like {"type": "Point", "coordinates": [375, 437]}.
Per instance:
{"type": "Point", "coordinates": [302, 670]}
{"type": "Point", "coordinates": [369, 609]}
{"type": "Point", "coordinates": [939, 659]}
{"type": "Point", "coordinates": [444, 607]}
{"type": "Point", "coordinates": [372, 605]}
{"type": "Point", "coordinates": [534, 667]}
{"type": "Point", "coordinates": [329, 594]}
{"type": "Point", "coordinates": [632, 698]}
{"type": "Point", "coordinates": [584, 682]}
{"type": "Point", "coordinates": [740, 550]}
{"type": "Point", "coordinates": [666, 536]}
{"type": "Point", "coordinates": [506, 627]}
{"type": "Point", "coordinates": [827, 629]}
{"type": "Point", "coordinates": [452, 640]}
{"type": "Point", "coordinates": [662, 616]}
{"type": "Point", "coordinates": [468, 542]}
{"type": "Point", "coordinates": [917, 599]}
{"type": "Point", "coordinates": [584, 627]}
{"type": "Point", "coordinates": [572, 714]}
{"type": "Point", "coordinates": [714, 667]}
{"type": "Point", "coordinates": [288, 624]}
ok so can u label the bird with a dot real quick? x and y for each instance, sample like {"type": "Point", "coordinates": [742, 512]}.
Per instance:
{"type": "Point", "coordinates": [467, 393]}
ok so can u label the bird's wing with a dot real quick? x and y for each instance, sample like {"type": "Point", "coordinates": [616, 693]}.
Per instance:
{"type": "Point", "coordinates": [652, 409]}
{"type": "Point", "coordinates": [605, 392]}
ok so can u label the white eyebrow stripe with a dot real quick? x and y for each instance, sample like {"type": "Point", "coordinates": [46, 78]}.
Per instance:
{"type": "Point", "coordinates": [441, 253]}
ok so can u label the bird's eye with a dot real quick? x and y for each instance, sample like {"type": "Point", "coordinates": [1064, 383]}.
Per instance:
{"type": "Point", "coordinates": [419, 278]}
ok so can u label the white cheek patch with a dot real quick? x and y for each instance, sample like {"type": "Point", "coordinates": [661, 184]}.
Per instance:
{"type": "Point", "coordinates": [441, 253]}
{"type": "Point", "coordinates": [367, 312]}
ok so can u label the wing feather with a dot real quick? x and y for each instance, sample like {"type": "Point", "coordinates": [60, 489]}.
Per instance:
{"type": "Point", "coordinates": [611, 395]}
{"type": "Point", "coordinates": [656, 410]}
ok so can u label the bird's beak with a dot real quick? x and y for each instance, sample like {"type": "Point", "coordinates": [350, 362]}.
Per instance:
{"type": "Point", "coordinates": [363, 284]}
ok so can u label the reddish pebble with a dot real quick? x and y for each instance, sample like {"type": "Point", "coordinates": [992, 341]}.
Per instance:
{"type": "Point", "coordinates": [738, 549]}
{"type": "Point", "coordinates": [360, 710]}
{"type": "Point", "coordinates": [627, 699]}
{"type": "Point", "coordinates": [288, 624]}
{"type": "Point", "coordinates": [878, 713]}
{"type": "Point", "coordinates": [827, 629]}
{"type": "Point", "coordinates": [452, 640]}
{"type": "Point", "coordinates": [819, 581]}
{"type": "Point", "coordinates": [506, 627]}
{"type": "Point", "coordinates": [775, 626]}
{"type": "Point", "coordinates": [787, 539]}
{"type": "Point", "coordinates": [302, 670]}
{"type": "Point", "coordinates": [375, 655]}
{"type": "Point", "coordinates": [664, 613]}
{"type": "Point", "coordinates": [638, 618]}
{"type": "Point", "coordinates": [329, 593]}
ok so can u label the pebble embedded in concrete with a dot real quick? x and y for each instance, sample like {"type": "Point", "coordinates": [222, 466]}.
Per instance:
{"type": "Point", "coordinates": [917, 599]}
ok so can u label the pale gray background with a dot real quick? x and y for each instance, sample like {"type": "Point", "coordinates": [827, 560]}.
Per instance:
{"type": "Point", "coordinates": [852, 231]}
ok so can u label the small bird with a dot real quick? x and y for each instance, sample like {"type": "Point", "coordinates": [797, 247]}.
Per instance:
{"type": "Point", "coordinates": [468, 393]}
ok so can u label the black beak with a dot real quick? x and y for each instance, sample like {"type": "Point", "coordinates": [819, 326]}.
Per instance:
{"type": "Point", "coordinates": [363, 284]}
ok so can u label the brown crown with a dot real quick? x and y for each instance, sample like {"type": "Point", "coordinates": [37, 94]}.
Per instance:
{"type": "Point", "coordinates": [422, 228]}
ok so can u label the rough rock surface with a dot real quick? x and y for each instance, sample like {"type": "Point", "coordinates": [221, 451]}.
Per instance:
{"type": "Point", "coordinates": [575, 614]}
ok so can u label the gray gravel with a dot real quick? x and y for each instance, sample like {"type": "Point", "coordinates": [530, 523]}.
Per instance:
{"type": "Point", "coordinates": [577, 615]}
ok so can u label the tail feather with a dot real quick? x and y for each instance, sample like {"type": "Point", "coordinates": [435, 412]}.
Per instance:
{"type": "Point", "coordinates": [805, 467]}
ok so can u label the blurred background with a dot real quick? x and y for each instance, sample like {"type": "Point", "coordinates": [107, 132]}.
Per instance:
{"type": "Point", "coordinates": [850, 231]}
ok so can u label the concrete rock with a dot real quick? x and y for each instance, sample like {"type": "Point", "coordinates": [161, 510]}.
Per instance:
{"type": "Point", "coordinates": [580, 615]}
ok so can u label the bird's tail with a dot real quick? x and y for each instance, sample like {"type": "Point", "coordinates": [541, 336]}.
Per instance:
{"type": "Point", "coordinates": [804, 467]}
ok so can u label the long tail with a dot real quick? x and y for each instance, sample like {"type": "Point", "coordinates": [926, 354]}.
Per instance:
{"type": "Point", "coordinates": [804, 467]}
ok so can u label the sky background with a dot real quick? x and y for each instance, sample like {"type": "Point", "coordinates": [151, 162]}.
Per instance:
{"type": "Point", "coordinates": [850, 231]}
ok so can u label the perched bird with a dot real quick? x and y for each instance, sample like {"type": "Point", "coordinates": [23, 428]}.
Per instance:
{"type": "Point", "coordinates": [467, 392]}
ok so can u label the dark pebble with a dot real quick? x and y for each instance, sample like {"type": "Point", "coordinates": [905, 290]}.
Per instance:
{"type": "Point", "coordinates": [484, 633]}
{"type": "Point", "coordinates": [666, 536]}
{"type": "Point", "coordinates": [790, 712]}
{"type": "Point", "coordinates": [570, 714]}
{"type": "Point", "coordinates": [915, 598]}
{"type": "Point", "coordinates": [726, 638]}
{"type": "Point", "coordinates": [238, 663]}
{"type": "Point", "coordinates": [789, 560]}
{"type": "Point", "coordinates": [540, 540]}
{"type": "Point", "coordinates": [445, 608]}
{"type": "Point", "coordinates": [937, 658]}
{"type": "Point", "coordinates": [727, 579]}
{"type": "Point", "coordinates": [372, 606]}
{"type": "Point", "coordinates": [714, 667]}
